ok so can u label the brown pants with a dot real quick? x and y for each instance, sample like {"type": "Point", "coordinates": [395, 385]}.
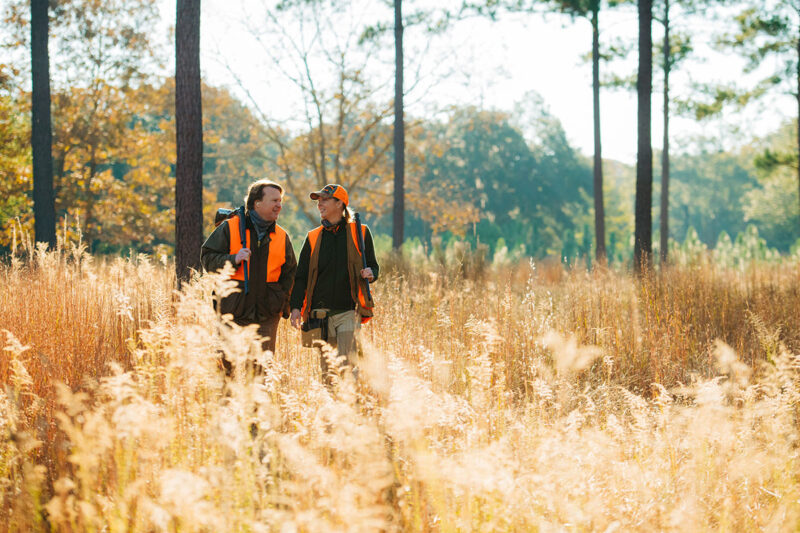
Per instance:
{"type": "Point", "coordinates": [268, 330]}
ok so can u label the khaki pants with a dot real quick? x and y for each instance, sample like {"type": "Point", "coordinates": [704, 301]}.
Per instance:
{"type": "Point", "coordinates": [343, 336]}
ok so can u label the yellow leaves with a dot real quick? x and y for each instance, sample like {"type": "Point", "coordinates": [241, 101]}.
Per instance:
{"type": "Point", "coordinates": [115, 168]}
{"type": "Point", "coordinates": [15, 163]}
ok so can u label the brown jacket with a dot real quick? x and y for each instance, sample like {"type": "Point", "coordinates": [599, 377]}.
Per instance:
{"type": "Point", "coordinates": [263, 299]}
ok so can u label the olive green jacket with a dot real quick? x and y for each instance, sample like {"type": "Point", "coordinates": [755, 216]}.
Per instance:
{"type": "Point", "coordinates": [263, 299]}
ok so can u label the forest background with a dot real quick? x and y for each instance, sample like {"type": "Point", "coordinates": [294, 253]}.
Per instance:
{"type": "Point", "coordinates": [665, 401]}
{"type": "Point", "coordinates": [507, 179]}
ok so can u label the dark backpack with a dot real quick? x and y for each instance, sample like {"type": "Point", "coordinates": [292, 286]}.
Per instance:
{"type": "Point", "coordinates": [224, 214]}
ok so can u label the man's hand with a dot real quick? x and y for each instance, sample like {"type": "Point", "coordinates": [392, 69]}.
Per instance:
{"type": "Point", "coordinates": [295, 319]}
{"type": "Point", "coordinates": [367, 274]}
{"type": "Point", "coordinates": [242, 255]}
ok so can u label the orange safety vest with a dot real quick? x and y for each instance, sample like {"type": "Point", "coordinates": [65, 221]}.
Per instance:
{"type": "Point", "coordinates": [313, 239]}
{"type": "Point", "coordinates": [276, 256]}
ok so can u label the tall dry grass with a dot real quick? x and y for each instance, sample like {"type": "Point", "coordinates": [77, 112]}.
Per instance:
{"type": "Point", "coordinates": [76, 315]}
{"type": "Point", "coordinates": [660, 329]}
{"type": "Point", "coordinates": [517, 398]}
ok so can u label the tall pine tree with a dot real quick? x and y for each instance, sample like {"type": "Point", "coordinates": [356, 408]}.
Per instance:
{"type": "Point", "coordinates": [189, 137]}
{"type": "Point", "coordinates": [398, 210]}
{"type": "Point", "coordinates": [44, 210]}
{"type": "Point", "coordinates": [769, 29]}
{"type": "Point", "coordinates": [642, 248]}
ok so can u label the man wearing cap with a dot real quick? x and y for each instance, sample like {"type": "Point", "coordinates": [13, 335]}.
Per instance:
{"type": "Point", "coordinates": [268, 256]}
{"type": "Point", "coordinates": [330, 275]}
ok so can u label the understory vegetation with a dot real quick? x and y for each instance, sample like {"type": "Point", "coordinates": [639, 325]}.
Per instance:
{"type": "Point", "coordinates": [511, 396]}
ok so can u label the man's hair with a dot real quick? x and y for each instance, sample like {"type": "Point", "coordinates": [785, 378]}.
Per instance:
{"type": "Point", "coordinates": [256, 192]}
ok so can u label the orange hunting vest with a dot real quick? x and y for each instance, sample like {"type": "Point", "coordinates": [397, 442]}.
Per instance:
{"type": "Point", "coordinates": [363, 307]}
{"type": "Point", "coordinates": [276, 256]}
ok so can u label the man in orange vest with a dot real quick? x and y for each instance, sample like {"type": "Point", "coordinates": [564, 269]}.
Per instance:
{"type": "Point", "coordinates": [268, 255]}
{"type": "Point", "coordinates": [331, 275]}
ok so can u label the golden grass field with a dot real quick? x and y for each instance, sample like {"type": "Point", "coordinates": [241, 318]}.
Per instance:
{"type": "Point", "coordinates": [490, 398]}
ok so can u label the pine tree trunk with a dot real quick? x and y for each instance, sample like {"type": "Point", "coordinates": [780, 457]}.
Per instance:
{"type": "Point", "coordinates": [189, 130]}
{"type": "Point", "coordinates": [798, 135]}
{"type": "Point", "coordinates": [642, 252]}
{"type": "Point", "coordinates": [44, 211]}
{"type": "Point", "coordinates": [664, 248]}
{"type": "Point", "coordinates": [599, 208]}
{"type": "Point", "coordinates": [399, 132]}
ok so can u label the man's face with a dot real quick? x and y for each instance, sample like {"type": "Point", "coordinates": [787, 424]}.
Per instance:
{"type": "Point", "coordinates": [330, 209]}
{"type": "Point", "coordinates": [269, 207]}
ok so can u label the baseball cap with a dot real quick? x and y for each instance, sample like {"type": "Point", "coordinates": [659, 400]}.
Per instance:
{"type": "Point", "coordinates": [331, 190]}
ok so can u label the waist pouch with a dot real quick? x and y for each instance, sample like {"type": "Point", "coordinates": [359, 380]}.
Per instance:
{"type": "Point", "coordinates": [315, 330]}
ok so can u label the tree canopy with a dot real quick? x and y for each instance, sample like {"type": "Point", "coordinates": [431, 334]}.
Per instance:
{"type": "Point", "coordinates": [510, 176]}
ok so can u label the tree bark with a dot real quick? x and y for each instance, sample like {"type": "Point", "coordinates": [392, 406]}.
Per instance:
{"type": "Point", "coordinates": [189, 140]}
{"type": "Point", "coordinates": [398, 217]}
{"type": "Point", "coordinates": [599, 208]}
{"type": "Point", "coordinates": [642, 252]}
{"type": "Point", "coordinates": [664, 247]}
{"type": "Point", "coordinates": [798, 133]}
{"type": "Point", "coordinates": [44, 211]}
